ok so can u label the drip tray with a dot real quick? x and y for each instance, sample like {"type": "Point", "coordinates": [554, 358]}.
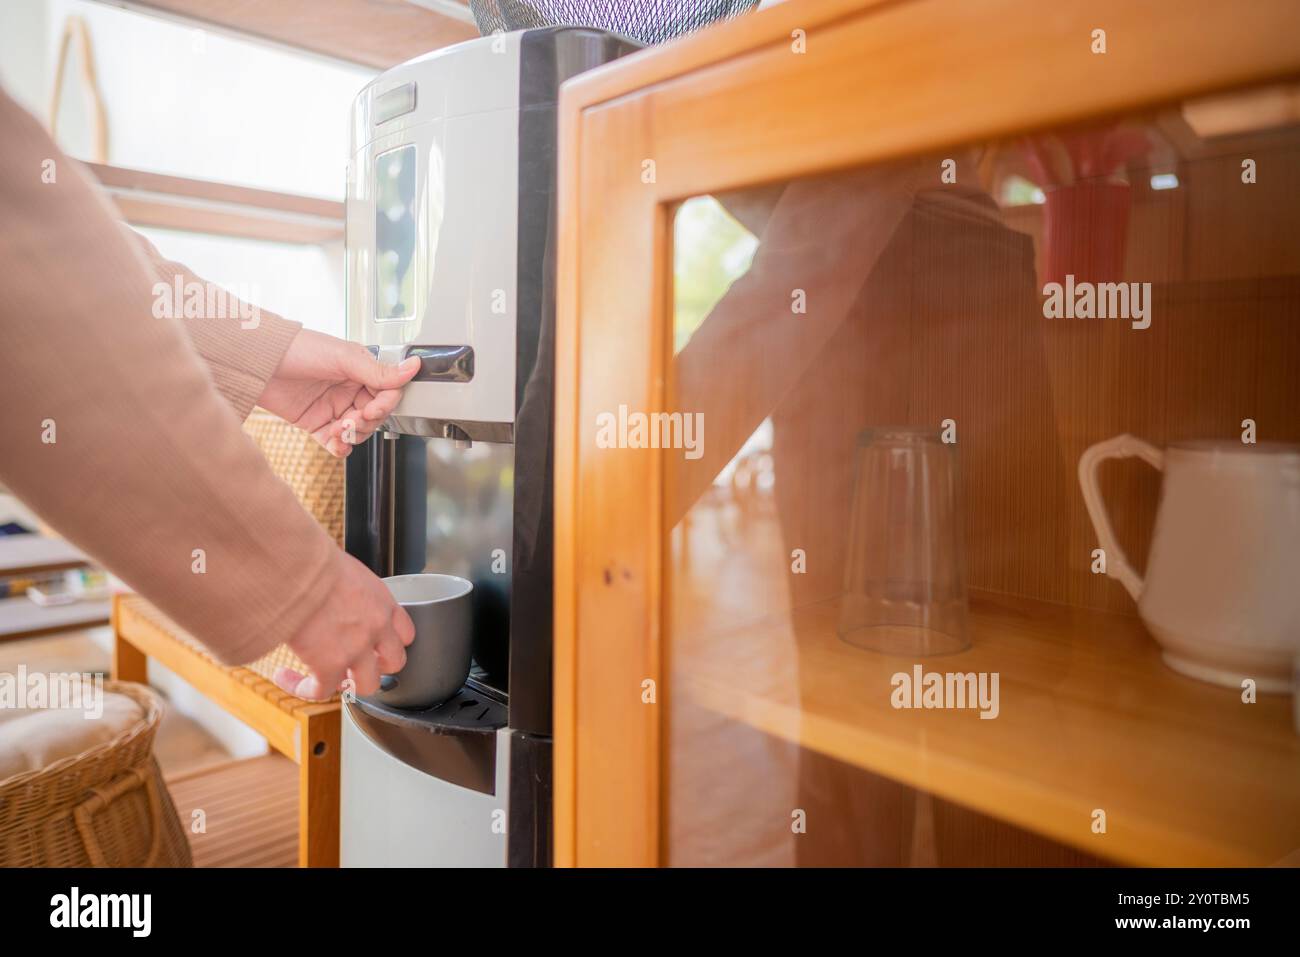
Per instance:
{"type": "Point", "coordinates": [455, 740]}
{"type": "Point", "coordinates": [473, 707]}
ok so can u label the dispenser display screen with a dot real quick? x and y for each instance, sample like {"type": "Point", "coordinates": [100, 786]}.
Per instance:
{"type": "Point", "coordinates": [395, 234]}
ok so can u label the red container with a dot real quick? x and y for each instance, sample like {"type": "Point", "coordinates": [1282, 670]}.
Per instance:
{"type": "Point", "coordinates": [1085, 231]}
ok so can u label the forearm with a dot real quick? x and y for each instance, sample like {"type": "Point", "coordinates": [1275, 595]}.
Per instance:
{"type": "Point", "coordinates": [113, 432]}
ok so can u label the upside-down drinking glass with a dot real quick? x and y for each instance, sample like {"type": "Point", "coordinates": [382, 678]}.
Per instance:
{"type": "Point", "coordinates": [904, 589]}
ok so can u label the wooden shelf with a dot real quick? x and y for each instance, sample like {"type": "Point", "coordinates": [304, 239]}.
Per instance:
{"type": "Point", "coordinates": [22, 555]}
{"type": "Point", "coordinates": [175, 202]}
{"type": "Point", "coordinates": [374, 33]}
{"type": "Point", "coordinates": [305, 732]}
{"type": "Point", "coordinates": [1089, 718]}
{"type": "Point", "coordinates": [20, 617]}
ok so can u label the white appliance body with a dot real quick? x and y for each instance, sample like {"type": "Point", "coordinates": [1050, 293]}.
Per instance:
{"type": "Point", "coordinates": [454, 233]}
{"type": "Point", "coordinates": [395, 815]}
{"type": "Point", "coordinates": [450, 233]}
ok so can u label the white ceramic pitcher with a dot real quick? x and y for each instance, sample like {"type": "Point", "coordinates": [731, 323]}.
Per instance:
{"type": "Point", "coordinates": [1222, 586]}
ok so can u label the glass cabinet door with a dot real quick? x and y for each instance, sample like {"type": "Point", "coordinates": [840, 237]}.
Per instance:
{"type": "Point", "coordinates": [982, 521]}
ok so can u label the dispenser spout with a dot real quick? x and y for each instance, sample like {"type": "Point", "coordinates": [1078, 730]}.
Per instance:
{"type": "Point", "coordinates": [458, 435]}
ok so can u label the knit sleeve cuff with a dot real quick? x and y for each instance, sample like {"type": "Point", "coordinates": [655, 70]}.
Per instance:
{"type": "Point", "coordinates": [242, 360]}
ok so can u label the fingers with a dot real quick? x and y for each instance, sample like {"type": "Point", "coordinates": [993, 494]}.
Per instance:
{"type": "Point", "coordinates": [392, 656]}
{"type": "Point", "coordinates": [286, 679]}
{"type": "Point", "coordinates": [364, 672]}
{"type": "Point", "coordinates": [362, 367]}
{"type": "Point", "coordinates": [381, 404]}
{"type": "Point", "coordinates": [335, 438]}
{"type": "Point", "coordinates": [390, 650]}
{"type": "Point", "coordinates": [403, 625]}
{"type": "Point", "coordinates": [380, 390]}
{"type": "Point", "coordinates": [300, 685]}
{"type": "Point", "coordinates": [355, 425]}
{"type": "Point", "coordinates": [358, 630]}
{"type": "Point", "coordinates": [358, 423]}
{"type": "Point", "coordinates": [388, 659]}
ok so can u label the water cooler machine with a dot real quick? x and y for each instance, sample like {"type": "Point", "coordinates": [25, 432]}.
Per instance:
{"type": "Point", "coordinates": [450, 247]}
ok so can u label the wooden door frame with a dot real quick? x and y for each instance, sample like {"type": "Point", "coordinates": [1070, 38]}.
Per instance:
{"type": "Point", "coordinates": [737, 106]}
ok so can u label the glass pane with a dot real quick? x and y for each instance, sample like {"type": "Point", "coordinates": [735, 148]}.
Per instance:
{"type": "Point", "coordinates": [899, 632]}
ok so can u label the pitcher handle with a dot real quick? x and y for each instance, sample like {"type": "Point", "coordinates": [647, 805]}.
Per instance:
{"type": "Point", "coordinates": [1120, 447]}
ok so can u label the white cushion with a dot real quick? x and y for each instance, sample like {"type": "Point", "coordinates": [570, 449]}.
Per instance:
{"type": "Point", "coordinates": [33, 738]}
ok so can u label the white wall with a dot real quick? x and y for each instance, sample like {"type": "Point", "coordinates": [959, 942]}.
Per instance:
{"type": "Point", "coordinates": [23, 44]}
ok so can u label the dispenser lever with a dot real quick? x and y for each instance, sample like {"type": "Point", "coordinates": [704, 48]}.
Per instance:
{"type": "Point", "coordinates": [443, 363]}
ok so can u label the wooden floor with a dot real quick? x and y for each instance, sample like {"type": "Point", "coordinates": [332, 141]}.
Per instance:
{"type": "Point", "coordinates": [250, 812]}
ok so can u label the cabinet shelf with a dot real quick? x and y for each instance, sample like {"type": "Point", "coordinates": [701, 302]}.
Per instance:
{"type": "Point", "coordinates": [1089, 718]}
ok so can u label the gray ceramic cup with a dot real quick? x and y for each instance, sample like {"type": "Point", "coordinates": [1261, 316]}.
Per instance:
{"type": "Point", "coordinates": [437, 661]}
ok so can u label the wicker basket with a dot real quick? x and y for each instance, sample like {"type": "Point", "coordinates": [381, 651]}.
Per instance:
{"type": "Point", "coordinates": [104, 807]}
{"type": "Point", "coordinates": [316, 478]}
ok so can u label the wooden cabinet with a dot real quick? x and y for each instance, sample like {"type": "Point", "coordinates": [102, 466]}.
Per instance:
{"type": "Point", "coordinates": [832, 217]}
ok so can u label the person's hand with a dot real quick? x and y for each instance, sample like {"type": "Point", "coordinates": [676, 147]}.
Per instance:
{"type": "Point", "coordinates": [359, 632]}
{"type": "Point", "coordinates": [334, 389]}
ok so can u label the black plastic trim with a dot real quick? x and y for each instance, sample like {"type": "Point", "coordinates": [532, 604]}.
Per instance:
{"type": "Point", "coordinates": [454, 741]}
{"type": "Point", "coordinates": [367, 490]}
{"type": "Point", "coordinates": [547, 58]}
{"type": "Point", "coordinates": [529, 841]}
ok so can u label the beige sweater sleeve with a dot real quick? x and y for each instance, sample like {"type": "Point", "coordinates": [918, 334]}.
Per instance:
{"type": "Point", "coordinates": [113, 429]}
